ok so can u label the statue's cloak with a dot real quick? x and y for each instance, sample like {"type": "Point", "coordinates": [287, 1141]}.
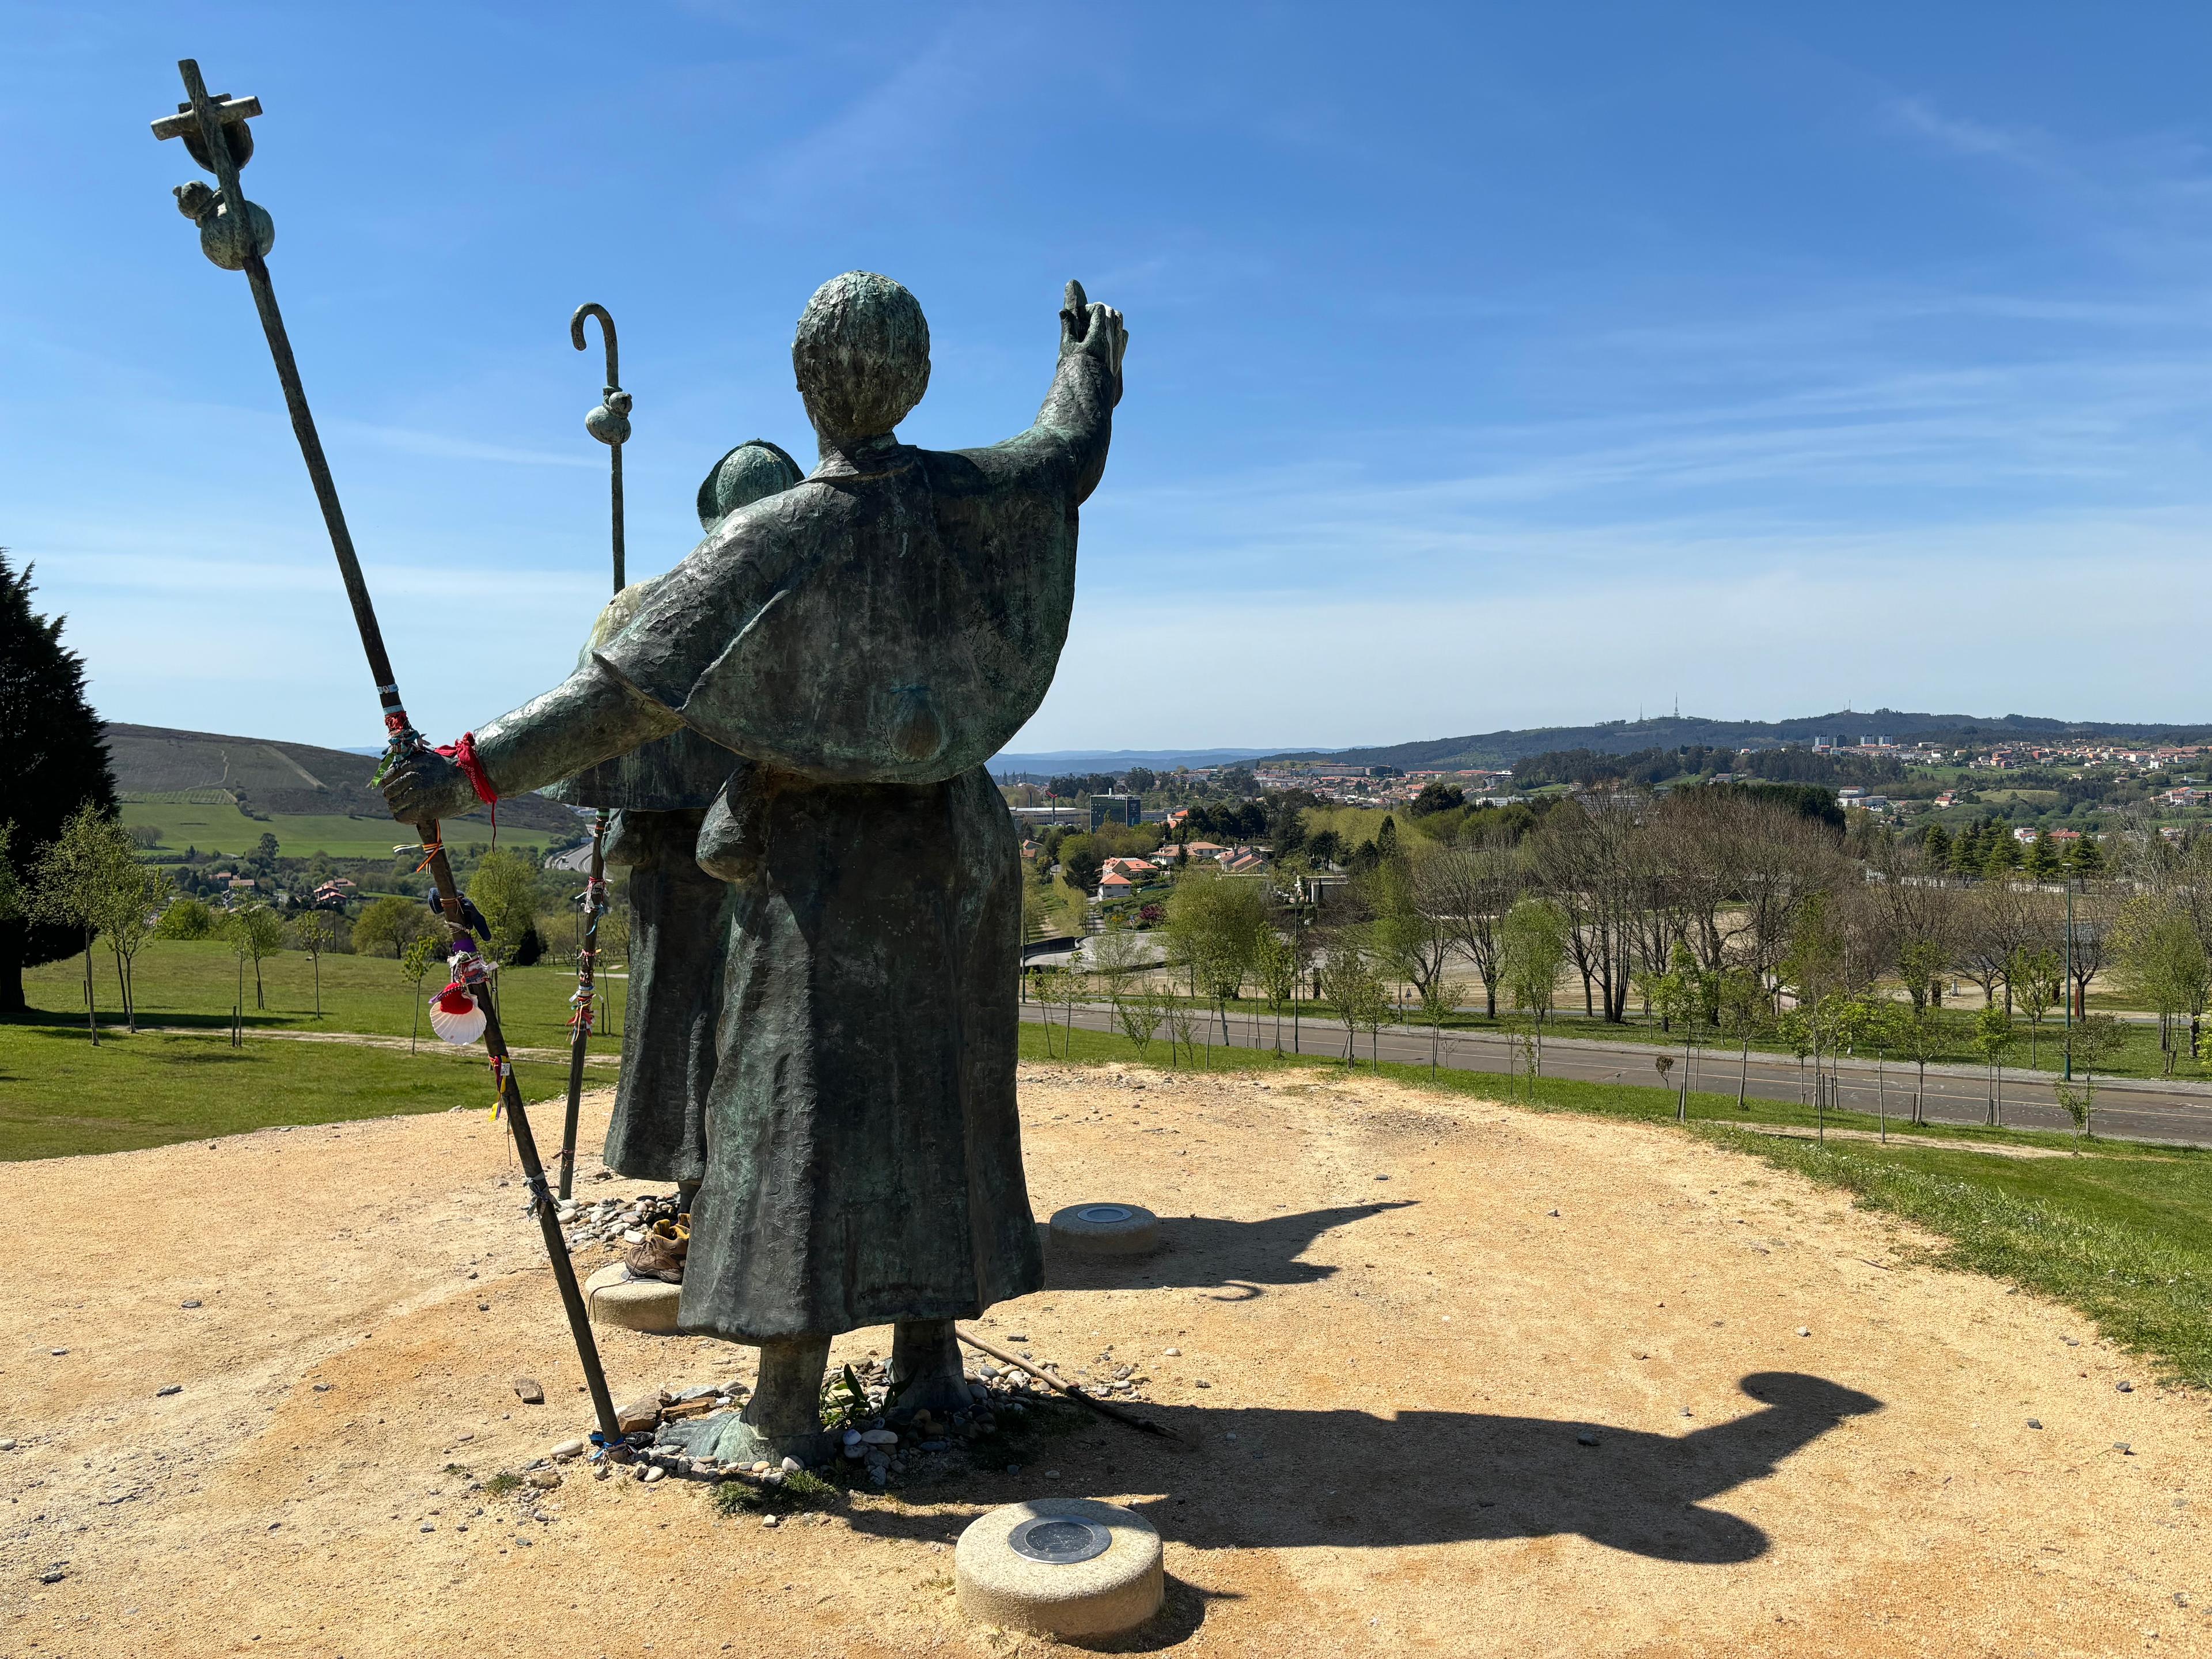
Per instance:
{"type": "Point", "coordinates": [866, 640]}
{"type": "Point", "coordinates": [894, 618]}
{"type": "Point", "coordinates": [679, 932]}
{"type": "Point", "coordinates": [681, 772]}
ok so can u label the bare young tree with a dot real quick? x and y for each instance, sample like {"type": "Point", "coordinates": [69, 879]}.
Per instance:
{"type": "Point", "coordinates": [1275, 963]}
{"type": "Point", "coordinates": [1411, 939]}
{"type": "Point", "coordinates": [1782, 859]}
{"type": "Point", "coordinates": [1349, 983]}
{"type": "Point", "coordinates": [1985, 944]}
{"type": "Point", "coordinates": [313, 933]}
{"type": "Point", "coordinates": [1536, 935]}
{"type": "Point", "coordinates": [2029, 918]}
{"type": "Point", "coordinates": [2034, 978]}
{"type": "Point", "coordinates": [1918, 913]}
{"type": "Point", "coordinates": [128, 905]}
{"type": "Point", "coordinates": [1118, 956]}
{"type": "Point", "coordinates": [255, 932]}
{"type": "Point", "coordinates": [76, 885]}
{"type": "Point", "coordinates": [1584, 864]}
{"type": "Point", "coordinates": [1470, 888]}
{"type": "Point", "coordinates": [2086, 942]}
{"type": "Point", "coordinates": [1703, 831]}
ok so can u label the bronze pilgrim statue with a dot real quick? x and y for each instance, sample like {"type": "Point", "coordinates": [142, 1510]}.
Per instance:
{"type": "Point", "coordinates": [849, 651]}
{"type": "Point", "coordinates": [659, 795]}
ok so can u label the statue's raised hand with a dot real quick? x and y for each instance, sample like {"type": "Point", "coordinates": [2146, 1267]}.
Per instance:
{"type": "Point", "coordinates": [1093, 331]}
{"type": "Point", "coordinates": [426, 786]}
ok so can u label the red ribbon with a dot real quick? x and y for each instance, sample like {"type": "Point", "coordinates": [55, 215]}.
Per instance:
{"type": "Point", "coordinates": [463, 755]}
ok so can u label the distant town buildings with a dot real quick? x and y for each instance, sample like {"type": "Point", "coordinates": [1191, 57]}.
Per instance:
{"type": "Point", "coordinates": [1381, 785]}
{"type": "Point", "coordinates": [1116, 809]}
{"type": "Point", "coordinates": [1068, 815]}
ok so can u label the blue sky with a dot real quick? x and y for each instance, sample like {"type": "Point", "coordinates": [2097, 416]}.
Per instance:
{"type": "Point", "coordinates": [1489, 365]}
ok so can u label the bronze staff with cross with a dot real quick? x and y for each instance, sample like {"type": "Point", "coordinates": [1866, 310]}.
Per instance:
{"type": "Point", "coordinates": [237, 235]}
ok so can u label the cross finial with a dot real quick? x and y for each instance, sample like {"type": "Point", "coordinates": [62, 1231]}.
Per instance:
{"type": "Point", "coordinates": [200, 113]}
{"type": "Point", "coordinates": [233, 231]}
{"type": "Point", "coordinates": [227, 108]}
{"type": "Point", "coordinates": [205, 118]}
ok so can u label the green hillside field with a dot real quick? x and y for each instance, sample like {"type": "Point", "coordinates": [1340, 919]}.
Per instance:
{"type": "Point", "coordinates": [224, 829]}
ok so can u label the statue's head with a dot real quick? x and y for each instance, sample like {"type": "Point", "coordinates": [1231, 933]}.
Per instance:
{"type": "Point", "coordinates": [862, 356]}
{"type": "Point", "coordinates": [752, 471]}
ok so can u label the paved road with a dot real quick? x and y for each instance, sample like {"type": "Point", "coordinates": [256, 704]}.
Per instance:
{"type": "Point", "coordinates": [2131, 1109]}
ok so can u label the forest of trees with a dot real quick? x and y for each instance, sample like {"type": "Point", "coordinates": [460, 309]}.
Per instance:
{"type": "Point", "coordinates": [1741, 910]}
{"type": "Point", "coordinates": [1791, 763]}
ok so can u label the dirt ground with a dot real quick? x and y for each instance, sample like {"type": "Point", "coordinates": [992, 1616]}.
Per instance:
{"type": "Point", "coordinates": [1399, 1318]}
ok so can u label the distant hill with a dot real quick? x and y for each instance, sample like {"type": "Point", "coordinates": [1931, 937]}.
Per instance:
{"type": "Point", "coordinates": [279, 778]}
{"type": "Point", "coordinates": [1502, 749]}
{"type": "Point", "coordinates": [1055, 762]}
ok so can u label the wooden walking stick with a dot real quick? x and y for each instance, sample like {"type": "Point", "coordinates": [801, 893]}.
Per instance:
{"type": "Point", "coordinates": [235, 235]}
{"type": "Point", "coordinates": [1072, 1390]}
{"type": "Point", "coordinates": [610, 424]}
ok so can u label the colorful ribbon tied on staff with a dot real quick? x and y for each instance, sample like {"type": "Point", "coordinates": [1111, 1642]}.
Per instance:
{"type": "Point", "coordinates": [463, 754]}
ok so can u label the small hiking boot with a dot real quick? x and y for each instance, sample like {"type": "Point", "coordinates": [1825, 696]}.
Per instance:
{"type": "Point", "coordinates": [660, 1253]}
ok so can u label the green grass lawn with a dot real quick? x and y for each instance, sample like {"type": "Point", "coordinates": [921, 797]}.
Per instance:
{"type": "Point", "coordinates": [224, 829]}
{"type": "Point", "coordinates": [60, 1097]}
{"type": "Point", "coordinates": [192, 982]}
{"type": "Point", "coordinates": [2123, 1233]}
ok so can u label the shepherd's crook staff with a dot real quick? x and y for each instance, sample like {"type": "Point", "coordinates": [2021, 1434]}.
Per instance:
{"type": "Point", "coordinates": [610, 424]}
{"type": "Point", "coordinates": [215, 131]}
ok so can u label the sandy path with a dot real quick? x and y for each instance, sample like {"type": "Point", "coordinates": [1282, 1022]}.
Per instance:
{"type": "Point", "coordinates": [1387, 1460]}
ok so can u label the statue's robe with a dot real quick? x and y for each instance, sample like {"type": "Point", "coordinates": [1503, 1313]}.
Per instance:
{"type": "Point", "coordinates": [866, 640]}
{"type": "Point", "coordinates": [679, 912]}
{"type": "Point", "coordinates": [679, 917]}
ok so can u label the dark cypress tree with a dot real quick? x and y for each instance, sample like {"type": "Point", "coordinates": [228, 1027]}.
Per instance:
{"type": "Point", "coordinates": [53, 759]}
{"type": "Point", "coordinates": [2004, 856]}
{"type": "Point", "coordinates": [1971, 850]}
{"type": "Point", "coordinates": [2042, 862]}
{"type": "Point", "coordinates": [2087, 858]}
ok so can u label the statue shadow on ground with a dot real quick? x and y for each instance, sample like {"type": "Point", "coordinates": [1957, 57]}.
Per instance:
{"type": "Point", "coordinates": [1349, 1479]}
{"type": "Point", "coordinates": [1267, 1478]}
{"type": "Point", "coordinates": [1212, 1253]}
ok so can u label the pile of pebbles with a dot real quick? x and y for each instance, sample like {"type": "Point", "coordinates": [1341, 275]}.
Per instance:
{"type": "Point", "coordinates": [614, 1222]}
{"type": "Point", "coordinates": [877, 1442]}
{"type": "Point", "coordinates": [882, 1440]}
{"type": "Point", "coordinates": [1105, 1378]}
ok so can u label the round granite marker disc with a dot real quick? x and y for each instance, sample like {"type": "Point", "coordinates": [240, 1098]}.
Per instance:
{"type": "Point", "coordinates": [1104, 1229]}
{"type": "Point", "coordinates": [613, 1298]}
{"type": "Point", "coordinates": [1061, 1566]}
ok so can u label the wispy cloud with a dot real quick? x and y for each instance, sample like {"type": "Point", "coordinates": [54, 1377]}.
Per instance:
{"type": "Point", "coordinates": [1963, 136]}
{"type": "Point", "coordinates": [2139, 197]}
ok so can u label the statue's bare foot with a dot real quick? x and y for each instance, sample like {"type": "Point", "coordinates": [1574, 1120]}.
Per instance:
{"type": "Point", "coordinates": [926, 1372]}
{"type": "Point", "coordinates": [784, 1417]}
